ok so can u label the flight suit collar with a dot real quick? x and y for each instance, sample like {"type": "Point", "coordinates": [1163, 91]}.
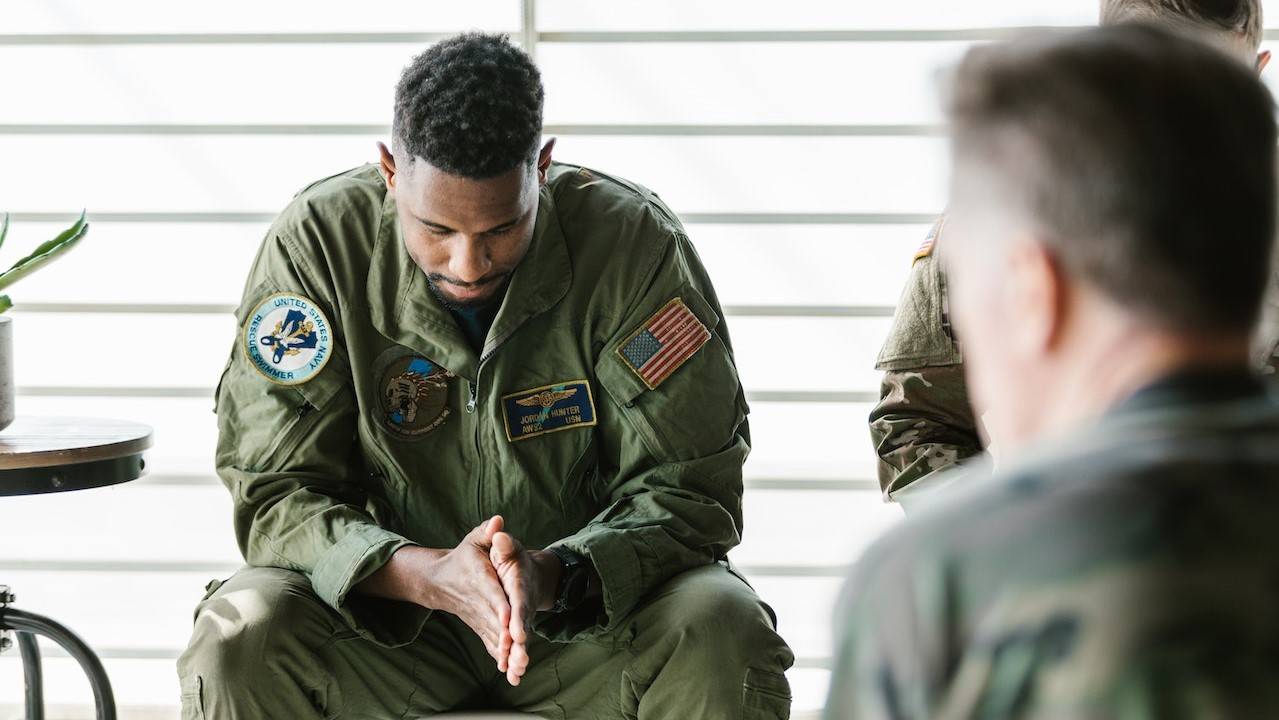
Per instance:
{"type": "Point", "coordinates": [403, 309]}
{"type": "Point", "coordinates": [542, 279]}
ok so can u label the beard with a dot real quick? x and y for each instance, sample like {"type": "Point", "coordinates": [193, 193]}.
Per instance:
{"type": "Point", "coordinates": [458, 305]}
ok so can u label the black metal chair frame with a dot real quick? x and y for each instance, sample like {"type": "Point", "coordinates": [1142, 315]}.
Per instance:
{"type": "Point", "coordinates": [27, 626]}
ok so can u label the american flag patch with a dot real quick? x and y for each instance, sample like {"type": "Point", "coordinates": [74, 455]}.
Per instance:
{"type": "Point", "coordinates": [665, 342]}
{"type": "Point", "coordinates": [930, 242]}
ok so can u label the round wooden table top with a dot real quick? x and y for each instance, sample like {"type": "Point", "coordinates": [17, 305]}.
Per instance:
{"type": "Point", "coordinates": [45, 442]}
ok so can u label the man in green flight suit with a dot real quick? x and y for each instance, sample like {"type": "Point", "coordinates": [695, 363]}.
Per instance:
{"type": "Point", "coordinates": [923, 422]}
{"type": "Point", "coordinates": [484, 435]}
{"type": "Point", "coordinates": [1112, 223]}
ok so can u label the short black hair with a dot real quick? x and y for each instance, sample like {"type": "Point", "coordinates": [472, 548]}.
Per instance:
{"type": "Point", "coordinates": [470, 105]}
{"type": "Point", "coordinates": [1144, 159]}
{"type": "Point", "coordinates": [1242, 18]}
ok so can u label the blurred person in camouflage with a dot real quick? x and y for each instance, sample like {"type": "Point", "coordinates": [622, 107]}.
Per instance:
{"type": "Point", "coordinates": [923, 422]}
{"type": "Point", "coordinates": [1110, 229]}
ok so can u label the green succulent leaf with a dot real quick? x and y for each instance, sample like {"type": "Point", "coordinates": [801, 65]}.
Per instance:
{"type": "Point", "coordinates": [5, 303]}
{"type": "Point", "coordinates": [4, 230]}
{"type": "Point", "coordinates": [45, 253]}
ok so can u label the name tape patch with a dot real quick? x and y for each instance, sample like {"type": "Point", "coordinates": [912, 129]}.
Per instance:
{"type": "Point", "coordinates": [288, 339]}
{"type": "Point", "coordinates": [548, 409]}
{"type": "Point", "coordinates": [664, 343]}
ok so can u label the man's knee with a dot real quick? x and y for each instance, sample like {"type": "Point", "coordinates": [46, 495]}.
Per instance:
{"type": "Point", "coordinates": [712, 611]}
{"type": "Point", "coordinates": [708, 627]}
{"type": "Point", "coordinates": [260, 615]}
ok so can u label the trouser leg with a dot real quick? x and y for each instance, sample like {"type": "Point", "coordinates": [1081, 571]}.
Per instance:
{"type": "Point", "coordinates": [265, 646]}
{"type": "Point", "coordinates": [702, 646]}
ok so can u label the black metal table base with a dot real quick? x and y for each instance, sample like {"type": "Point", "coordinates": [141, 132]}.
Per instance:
{"type": "Point", "coordinates": [28, 626]}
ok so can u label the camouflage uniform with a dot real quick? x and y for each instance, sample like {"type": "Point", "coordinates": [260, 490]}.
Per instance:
{"type": "Point", "coordinates": [1105, 580]}
{"type": "Point", "coordinates": [923, 422]}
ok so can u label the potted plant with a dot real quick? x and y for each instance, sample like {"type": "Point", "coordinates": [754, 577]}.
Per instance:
{"type": "Point", "coordinates": [38, 258]}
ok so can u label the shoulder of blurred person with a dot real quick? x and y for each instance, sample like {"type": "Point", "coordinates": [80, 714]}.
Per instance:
{"type": "Point", "coordinates": [1089, 572]}
{"type": "Point", "coordinates": [922, 422]}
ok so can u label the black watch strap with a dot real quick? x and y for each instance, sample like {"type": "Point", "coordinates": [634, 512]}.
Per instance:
{"type": "Point", "coordinates": [574, 578]}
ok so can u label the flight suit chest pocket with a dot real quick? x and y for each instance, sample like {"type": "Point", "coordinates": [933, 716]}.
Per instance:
{"type": "Point", "coordinates": [548, 431]}
{"type": "Point", "coordinates": [580, 490]}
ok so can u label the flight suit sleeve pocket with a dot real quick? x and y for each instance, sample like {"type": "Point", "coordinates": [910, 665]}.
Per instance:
{"type": "Point", "coordinates": [252, 298]}
{"type": "Point", "coordinates": [700, 308]}
{"type": "Point", "coordinates": [692, 404]}
{"type": "Point", "coordinates": [622, 385]}
{"type": "Point", "coordinates": [272, 420]}
{"type": "Point", "coordinates": [617, 369]}
{"type": "Point", "coordinates": [262, 289]}
{"type": "Point", "coordinates": [320, 391]}
{"type": "Point", "coordinates": [276, 388]}
{"type": "Point", "coordinates": [920, 335]}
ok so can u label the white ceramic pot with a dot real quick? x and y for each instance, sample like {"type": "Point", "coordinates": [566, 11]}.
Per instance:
{"type": "Point", "coordinates": [6, 371]}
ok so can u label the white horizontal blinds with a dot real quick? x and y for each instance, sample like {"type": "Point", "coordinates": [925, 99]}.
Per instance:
{"type": "Point", "coordinates": [807, 15]}
{"type": "Point", "coordinates": [207, 84]}
{"type": "Point", "coordinates": [754, 264]}
{"type": "Point", "coordinates": [736, 175]}
{"type": "Point", "coordinates": [745, 83]}
{"type": "Point", "coordinates": [251, 17]}
{"type": "Point", "coordinates": [174, 173]}
{"type": "Point", "coordinates": [160, 264]}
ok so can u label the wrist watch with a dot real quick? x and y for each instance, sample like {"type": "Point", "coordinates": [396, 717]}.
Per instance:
{"type": "Point", "coordinates": [575, 574]}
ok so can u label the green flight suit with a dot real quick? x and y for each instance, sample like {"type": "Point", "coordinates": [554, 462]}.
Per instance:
{"type": "Point", "coordinates": [923, 422]}
{"type": "Point", "coordinates": [1125, 569]}
{"type": "Point", "coordinates": [395, 432]}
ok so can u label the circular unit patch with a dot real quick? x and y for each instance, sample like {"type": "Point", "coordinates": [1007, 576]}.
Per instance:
{"type": "Point", "coordinates": [415, 393]}
{"type": "Point", "coordinates": [288, 339]}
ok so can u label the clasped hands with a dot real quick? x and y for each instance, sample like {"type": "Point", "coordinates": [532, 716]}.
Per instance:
{"type": "Point", "coordinates": [489, 581]}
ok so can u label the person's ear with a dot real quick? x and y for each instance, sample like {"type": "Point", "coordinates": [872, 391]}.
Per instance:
{"type": "Point", "coordinates": [544, 161]}
{"type": "Point", "coordinates": [1263, 59]}
{"type": "Point", "coordinates": [386, 165]}
{"type": "Point", "coordinates": [1037, 294]}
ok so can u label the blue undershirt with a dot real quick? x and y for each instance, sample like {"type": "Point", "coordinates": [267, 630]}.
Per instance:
{"type": "Point", "coordinates": [475, 323]}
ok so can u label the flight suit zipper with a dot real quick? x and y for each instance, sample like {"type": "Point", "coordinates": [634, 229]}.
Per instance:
{"type": "Point", "coordinates": [471, 404]}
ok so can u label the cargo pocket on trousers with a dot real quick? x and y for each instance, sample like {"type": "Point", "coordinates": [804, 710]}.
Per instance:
{"type": "Point", "coordinates": [765, 695]}
{"type": "Point", "coordinates": [192, 698]}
